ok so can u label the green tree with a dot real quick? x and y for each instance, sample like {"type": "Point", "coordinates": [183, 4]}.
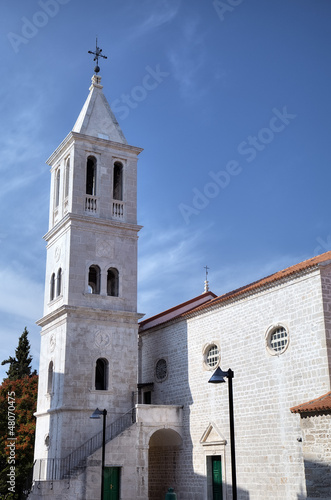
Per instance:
{"type": "Point", "coordinates": [20, 366]}
{"type": "Point", "coordinates": [18, 402]}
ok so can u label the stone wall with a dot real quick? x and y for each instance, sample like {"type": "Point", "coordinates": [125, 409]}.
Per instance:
{"type": "Point", "coordinates": [316, 438]}
{"type": "Point", "coordinates": [269, 456]}
{"type": "Point", "coordinates": [73, 489]}
{"type": "Point", "coordinates": [163, 463]}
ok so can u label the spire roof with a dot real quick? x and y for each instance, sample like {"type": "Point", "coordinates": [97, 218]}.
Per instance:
{"type": "Point", "coordinates": [96, 117]}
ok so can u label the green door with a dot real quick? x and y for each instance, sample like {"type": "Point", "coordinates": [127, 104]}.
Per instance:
{"type": "Point", "coordinates": [111, 484]}
{"type": "Point", "coordinates": [217, 478]}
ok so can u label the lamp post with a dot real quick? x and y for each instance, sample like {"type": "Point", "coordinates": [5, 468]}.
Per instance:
{"type": "Point", "coordinates": [218, 378]}
{"type": "Point", "coordinates": [96, 414]}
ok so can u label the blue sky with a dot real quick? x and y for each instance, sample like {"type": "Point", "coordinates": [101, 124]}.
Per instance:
{"type": "Point", "coordinates": [235, 126]}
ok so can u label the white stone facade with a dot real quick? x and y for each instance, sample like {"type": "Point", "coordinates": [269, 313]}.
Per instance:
{"type": "Point", "coordinates": [167, 426]}
{"type": "Point", "coordinates": [268, 454]}
{"type": "Point", "coordinates": [90, 309]}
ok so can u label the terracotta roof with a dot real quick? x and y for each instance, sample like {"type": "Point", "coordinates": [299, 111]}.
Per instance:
{"type": "Point", "coordinates": [175, 312]}
{"type": "Point", "coordinates": [209, 299]}
{"type": "Point", "coordinates": [268, 281]}
{"type": "Point", "coordinates": [318, 405]}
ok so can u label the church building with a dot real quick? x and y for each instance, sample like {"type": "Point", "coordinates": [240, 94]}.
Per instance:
{"type": "Point", "coordinates": [125, 410]}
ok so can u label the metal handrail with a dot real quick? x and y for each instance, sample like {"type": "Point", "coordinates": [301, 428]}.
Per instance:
{"type": "Point", "coordinates": [60, 468]}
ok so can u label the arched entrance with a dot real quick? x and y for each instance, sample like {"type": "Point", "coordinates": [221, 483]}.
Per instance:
{"type": "Point", "coordinates": [164, 448]}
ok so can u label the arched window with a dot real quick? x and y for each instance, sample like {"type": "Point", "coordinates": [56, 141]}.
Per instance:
{"type": "Point", "coordinates": [57, 187]}
{"type": "Point", "coordinates": [52, 287]}
{"type": "Point", "coordinates": [112, 282]}
{"type": "Point", "coordinates": [94, 279]}
{"type": "Point", "coordinates": [67, 174]}
{"type": "Point", "coordinates": [101, 374]}
{"type": "Point", "coordinates": [91, 168]}
{"type": "Point", "coordinates": [50, 378]}
{"type": "Point", "coordinates": [118, 181]}
{"type": "Point", "coordinates": [59, 282]}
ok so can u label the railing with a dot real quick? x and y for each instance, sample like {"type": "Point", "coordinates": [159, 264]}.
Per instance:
{"type": "Point", "coordinates": [55, 215]}
{"type": "Point", "coordinates": [59, 468]}
{"type": "Point", "coordinates": [91, 204]}
{"type": "Point", "coordinates": [118, 209]}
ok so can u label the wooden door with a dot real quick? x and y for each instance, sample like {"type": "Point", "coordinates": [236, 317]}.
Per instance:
{"type": "Point", "coordinates": [217, 478]}
{"type": "Point", "coordinates": [111, 484]}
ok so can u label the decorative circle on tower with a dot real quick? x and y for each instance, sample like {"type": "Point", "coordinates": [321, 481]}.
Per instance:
{"type": "Point", "coordinates": [102, 339]}
{"type": "Point", "coordinates": [57, 254]}
{"type": "Point", "coordinates": [47, 441]}
{"type": "Point", "coordinates": [104, 248]}
{"type": "Point", "coordinates": [52, 342]}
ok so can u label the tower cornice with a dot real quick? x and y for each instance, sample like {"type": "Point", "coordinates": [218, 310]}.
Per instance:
{"type": "Point", "coordinates": [70, 219]}
{"type": "Point", "coordinates": [90, 312]}
{"type": "Point", "coordinates": [73, 137]}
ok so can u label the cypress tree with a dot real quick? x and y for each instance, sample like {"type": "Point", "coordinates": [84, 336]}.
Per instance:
{"type": "Point", "coordinates": [20, 365]}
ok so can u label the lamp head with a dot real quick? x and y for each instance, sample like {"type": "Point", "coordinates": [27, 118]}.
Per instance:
{"type": "Point", "coordinates": [96, 413]}
{"type": "Point", "coordinates": [218, 376]}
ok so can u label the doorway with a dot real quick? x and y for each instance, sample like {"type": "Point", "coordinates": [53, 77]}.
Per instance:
{"type": "Point", "coordinates": [111, 484]}
{"type": "Point", "coordinates": [214, 477]}
{"type": "Point", "coordinates": [217, 478]}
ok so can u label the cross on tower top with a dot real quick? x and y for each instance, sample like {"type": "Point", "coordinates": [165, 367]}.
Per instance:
{"type": "Point", "coordinates": [97, 54]}
{"type": "Point", "coordinates": [206, 281]}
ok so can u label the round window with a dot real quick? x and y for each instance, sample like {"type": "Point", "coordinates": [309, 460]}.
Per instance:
{"type": "Point", "coordinates": [212, 356]}
{"type": "Point", "coordinates": [161, 369]}
{"type": "Point", "coordinates": [277, 339]}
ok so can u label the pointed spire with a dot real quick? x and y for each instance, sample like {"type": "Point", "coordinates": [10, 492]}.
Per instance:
{"type": "Point", "coordinates": [96, 117]}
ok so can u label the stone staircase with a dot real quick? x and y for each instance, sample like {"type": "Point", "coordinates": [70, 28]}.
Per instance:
{"type": "Point", "coordinates": [50, 469]}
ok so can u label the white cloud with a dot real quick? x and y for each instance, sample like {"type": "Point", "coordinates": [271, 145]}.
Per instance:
{"type": "Point", "coordinates": [188, 57]}
{"type": "Point", "coordinates": [20, 295]}
{"type": "Point", "coordinates": [164, 13]}
{"type": "Point", "coordinates": [160, 12]}
{"type": "Point", "coordinates": [228, 278]}
{"type": "Point", "coordinates": [171, 270]}
{"type": "Point", "coordinates": [17, 182]}
{"type": "Point", "coordinates": [21, 304]}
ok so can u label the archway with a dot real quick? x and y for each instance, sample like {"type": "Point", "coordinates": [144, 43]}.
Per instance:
{"type": "Point", "coordinates": [164, 448]}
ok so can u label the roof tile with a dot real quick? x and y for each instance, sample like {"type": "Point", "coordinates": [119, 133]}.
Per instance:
{"type": "Point", "coordinates": [318, 405]}
{"type": "Point", "coordinates": [269, 280]}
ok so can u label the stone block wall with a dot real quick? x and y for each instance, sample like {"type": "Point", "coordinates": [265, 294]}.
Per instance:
{"type": "Point", "coordinates": [316, 441]}
{"type": "Point", "coordinates": [162, 471]}
{"type": "Point", "coordinates": [69, 489]}
{"type": "Point", "coordinates": [269, 456]}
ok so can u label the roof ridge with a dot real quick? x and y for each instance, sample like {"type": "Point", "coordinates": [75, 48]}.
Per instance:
{"type": "Point", "coordinates": [176, 311]}
{"type": "Point", "coordinates": [178, 306]}
{"type": "Point", "coordinates": [278, 275]}
{"type": "Point", "coordinates": [269, 280]}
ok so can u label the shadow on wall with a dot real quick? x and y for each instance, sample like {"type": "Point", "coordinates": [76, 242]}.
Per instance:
{"type": "Point", "coordinates": [173, 461]}
{"type": "Point", "coordinates": [318, 480]}
{"type": "Point", "coordinates": [165, 459]}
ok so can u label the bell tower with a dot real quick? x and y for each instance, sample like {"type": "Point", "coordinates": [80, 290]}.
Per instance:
{"type": "Point", "coordinates": [88, 355]}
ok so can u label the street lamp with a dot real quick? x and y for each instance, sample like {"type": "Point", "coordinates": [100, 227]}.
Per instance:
{"type": "Point", "coordinates": [96, 414]}
{"type": "Point", "coordinates": [218, 378]}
